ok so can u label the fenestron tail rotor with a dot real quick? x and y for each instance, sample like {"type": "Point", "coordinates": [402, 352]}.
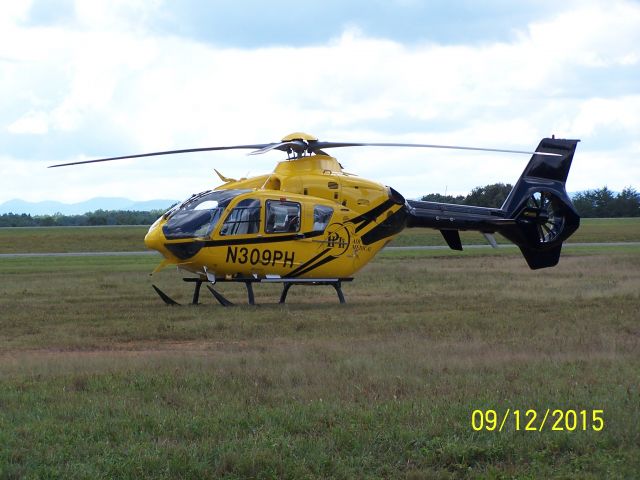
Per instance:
{"type": "Point", "coordinates": [549, 213]}
{"type": "Point", "coordinates": [300, 144]}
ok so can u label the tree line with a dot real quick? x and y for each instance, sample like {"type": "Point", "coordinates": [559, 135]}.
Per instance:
{"type": "Point", "coordinates": [605, 203]}
{"type": "Point", "coordinates": [599, 203]}
{"type": "Point", "coordinates": [99, 217]}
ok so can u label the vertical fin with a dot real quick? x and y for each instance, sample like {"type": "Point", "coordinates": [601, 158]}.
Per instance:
{"type": "Point", "coordinates": [452, 237]}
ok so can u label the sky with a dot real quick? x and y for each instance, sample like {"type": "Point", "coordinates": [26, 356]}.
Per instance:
{"type": "Point", "coordinates": [89, 79]}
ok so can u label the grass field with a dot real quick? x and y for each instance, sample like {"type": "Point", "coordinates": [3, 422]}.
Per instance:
{"type": "Point", "coordinates": [118, 239]}
{"type": "Point", "coordinates": [72, 239]}
{"type": "Point", "coordinates": [99, 379]}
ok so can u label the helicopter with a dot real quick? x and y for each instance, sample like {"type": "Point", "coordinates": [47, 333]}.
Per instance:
{"type": "Point", "coordinates": [311, 223]}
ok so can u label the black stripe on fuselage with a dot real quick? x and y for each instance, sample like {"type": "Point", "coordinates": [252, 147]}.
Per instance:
{"type": "Point", "coordinates": [306, 265]}
{"type": "Point", "coordinates": [370, 216]}
{"type": "Point", "coordinates": [364, 220]}
{"type": "Point", "coordinates": [390, 226]}
{"type": "Point", "coordinates": [312, 267]}
{"type": "Point", "coordinates": [258, 240]}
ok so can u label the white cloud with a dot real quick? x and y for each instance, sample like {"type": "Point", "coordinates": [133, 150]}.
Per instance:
{"type": "Point", "coordinates": [13, 12]}
{"type": "Point", "coordinates": [621, 113]}
{"type": "Point", "coordinates": [598, 35]}
{"type": "Point", "coordinates": [109, 73]}
{"type": "Point", "coordinates": [36, 123]}
{"type": "Point", "coordinates": [114, 15]}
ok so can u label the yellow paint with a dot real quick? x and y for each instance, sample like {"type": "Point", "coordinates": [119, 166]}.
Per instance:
{"type": "Point", "coordinates": [299, 136]}
{"type": "Point", "coordinates": [223, 178]}
{"type": "Point", "coordinates": [315, 180]}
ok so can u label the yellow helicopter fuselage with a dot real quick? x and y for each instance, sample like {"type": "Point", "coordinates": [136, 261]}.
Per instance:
{"type": "Point", "coordinates": [307, 219]}
{"type": "Point", "coordinates": [308, 222]}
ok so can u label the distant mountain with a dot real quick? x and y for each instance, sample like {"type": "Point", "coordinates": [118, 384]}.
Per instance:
{"type": "Point", "coordinates": [102, 203]}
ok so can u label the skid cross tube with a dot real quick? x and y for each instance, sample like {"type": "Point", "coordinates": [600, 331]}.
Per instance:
{"type": "Point", "coordinates": [251, 298]}
{"type": "Point", "coordinates": [196, 290]}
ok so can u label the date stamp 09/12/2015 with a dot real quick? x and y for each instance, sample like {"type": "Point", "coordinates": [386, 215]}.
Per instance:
{"type": "Point", "coordinates": [531, 420]}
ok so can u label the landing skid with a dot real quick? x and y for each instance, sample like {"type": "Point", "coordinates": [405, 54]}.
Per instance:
{"type": "Point", "coordinates": [248, 282]}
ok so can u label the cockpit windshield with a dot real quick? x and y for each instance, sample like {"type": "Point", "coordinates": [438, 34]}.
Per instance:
{"type": "Point", "coordinates": [198, 215]}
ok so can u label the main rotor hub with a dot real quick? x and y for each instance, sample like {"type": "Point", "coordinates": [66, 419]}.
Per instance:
{"type": "Point", "coordinates": [298, 144]}
{"type": "Point", "coordinates": [299, 136]}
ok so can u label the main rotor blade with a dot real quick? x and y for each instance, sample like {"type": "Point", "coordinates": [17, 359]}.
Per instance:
{"type": "Point", "coordinates": [321, 145]}
{"type": "Point", "coordinates": [300, 146]}
{"type": "Point", "coordinates": [168, 152]}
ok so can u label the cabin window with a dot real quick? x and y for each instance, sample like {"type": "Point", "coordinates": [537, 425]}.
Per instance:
{"type": "Point", "coordinates": [243, 219]}
{"type": "Point", "coordinates": [282, 217]}
{"type": "Point", "coordinates": [321, 217]}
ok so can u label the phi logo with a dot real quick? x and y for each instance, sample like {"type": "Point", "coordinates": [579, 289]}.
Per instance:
{"type": "Point", "coordinates": [338, 239]}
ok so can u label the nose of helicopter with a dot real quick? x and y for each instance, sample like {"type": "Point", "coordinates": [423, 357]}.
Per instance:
{"type": "Point", "coordinates": [154, 239]}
